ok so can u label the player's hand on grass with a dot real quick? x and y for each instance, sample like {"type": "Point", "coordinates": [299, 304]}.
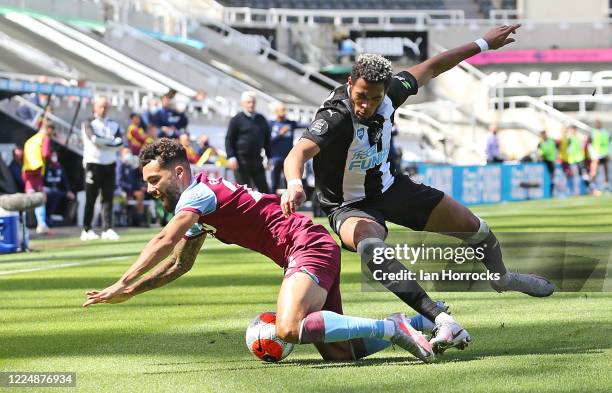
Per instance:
{"type": "Point", "coordinates": [292, 199]}
{"type": "Point", "coordinates": [116, 293]}
{"type": "Point", "coordinates": [498, 36]}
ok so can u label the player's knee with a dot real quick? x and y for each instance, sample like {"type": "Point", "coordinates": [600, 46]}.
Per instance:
{"type": "Point", "coordinates": [288, 331]}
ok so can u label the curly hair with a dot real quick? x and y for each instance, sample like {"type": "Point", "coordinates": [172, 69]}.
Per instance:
{"type": "Point", "coordinates": [372, 68]}
{"type": "Point", "coordinates": [166, 151]}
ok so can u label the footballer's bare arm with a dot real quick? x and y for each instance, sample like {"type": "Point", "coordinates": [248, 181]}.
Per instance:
{"type": "Point", "coordinates": [179, 263]}
{"type": "Point", "coordinates": [303, 151]}
{"type": "Point", "coordinates": [154, 252]}
{"type": "Point", "coordinates": [496, 38]}
{"type": "Point", "coordinates": [160, 246]}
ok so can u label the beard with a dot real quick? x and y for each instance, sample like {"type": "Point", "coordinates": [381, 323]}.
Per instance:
{"type": "Point", "coordinates": [170, 198]}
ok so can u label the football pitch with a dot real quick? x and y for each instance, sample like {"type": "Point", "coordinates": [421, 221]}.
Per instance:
{"type": "Point", "coordinates": [189, 335]}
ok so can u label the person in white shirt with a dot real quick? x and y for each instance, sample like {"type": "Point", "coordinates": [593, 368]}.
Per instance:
{"type": "Point", "coordinates": [101, 142]}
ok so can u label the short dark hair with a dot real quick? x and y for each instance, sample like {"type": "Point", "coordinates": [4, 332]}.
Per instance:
{"type": "Point", "coordinates": [373, 69]}
{"type": "Point", "coordinates": [166, 151]}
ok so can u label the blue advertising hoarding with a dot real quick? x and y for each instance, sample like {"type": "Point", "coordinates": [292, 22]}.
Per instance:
{"type": "Point", "coordinates": [493, 183]}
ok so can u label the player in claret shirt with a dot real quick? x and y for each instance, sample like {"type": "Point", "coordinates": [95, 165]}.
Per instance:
{"type": "Point", "coordinates": [309, 308]}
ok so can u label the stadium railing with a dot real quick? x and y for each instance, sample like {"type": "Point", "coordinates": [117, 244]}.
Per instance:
{"type": "Point", "coordinates": [65, 134]}
{"type": "Point", "coordinates": [279, 16]}
{"type": "Point", "coordinates": [267, 52]}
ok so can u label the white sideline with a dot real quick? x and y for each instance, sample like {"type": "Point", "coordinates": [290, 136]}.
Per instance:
{"type": "Point", "coordinates": [36, 269]}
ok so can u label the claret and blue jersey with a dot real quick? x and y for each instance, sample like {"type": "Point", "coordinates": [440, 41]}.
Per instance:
{"type": "Point", "coordinates": [236, 214]}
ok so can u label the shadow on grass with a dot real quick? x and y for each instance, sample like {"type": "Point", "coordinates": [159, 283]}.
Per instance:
{"type": "Point", "coordinates": [272, 277]}
{"type": "Point", "coordinates": [228, 345]}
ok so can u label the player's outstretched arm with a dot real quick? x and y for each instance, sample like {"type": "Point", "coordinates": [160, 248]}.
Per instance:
{"type": "Point", "coordinates": [495, 38]}
{"type": "Point", "coordinates": [303, 151]}
{"type": "Point", "coordinates": [154, 252]}
{"type": "Point", "coordinates": [181, 261]}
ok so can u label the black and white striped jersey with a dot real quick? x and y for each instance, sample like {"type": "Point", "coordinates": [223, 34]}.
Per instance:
{"type": "Point", "coordinates": [353, 162]}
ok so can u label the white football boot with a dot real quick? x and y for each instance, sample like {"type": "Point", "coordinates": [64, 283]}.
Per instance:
{"type": "Point", "coordinates": [448, 334]}
{"type": "Point", "coordinates": [530, 284]}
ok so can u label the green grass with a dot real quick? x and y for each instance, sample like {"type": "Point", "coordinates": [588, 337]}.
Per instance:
{"type": "Point", "coordinates": [189, 335]}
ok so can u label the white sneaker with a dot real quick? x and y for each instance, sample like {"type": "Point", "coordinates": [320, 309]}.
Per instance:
{"type": "Point", "coordinates": [109, 234]}
{"type": "Point", "coordinates": [530, 284]}
{"type": "Point", "coordinates": [42, 229]}
{"type": "Point", "coordinates": [89, 235]}
{"type": "Point", "coordinates": [448, 334]}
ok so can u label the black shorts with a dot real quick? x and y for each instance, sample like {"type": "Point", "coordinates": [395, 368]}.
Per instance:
{"type": "Point", "coordinates": [405, 203]}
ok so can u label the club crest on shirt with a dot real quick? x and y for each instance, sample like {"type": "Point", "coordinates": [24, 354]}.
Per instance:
{"type": "Point", "coordinates": [360, 132]}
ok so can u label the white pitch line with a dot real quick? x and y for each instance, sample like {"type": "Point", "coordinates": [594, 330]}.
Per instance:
{"type": "Point", "coordinates": [36, 269]}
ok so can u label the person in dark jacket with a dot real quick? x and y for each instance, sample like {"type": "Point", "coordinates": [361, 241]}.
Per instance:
{"type": "Point", "coordinates": [281, 141]}
{"type": "Point", "coordinates": [57, 188]}
{"type": "Point", "coordinates": [248, 133]}
{"type": "Point", "coordinates": [15, 168]}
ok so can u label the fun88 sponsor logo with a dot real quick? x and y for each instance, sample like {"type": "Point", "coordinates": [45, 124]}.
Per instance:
{"type": "Point", "coordinates": [366, 159]}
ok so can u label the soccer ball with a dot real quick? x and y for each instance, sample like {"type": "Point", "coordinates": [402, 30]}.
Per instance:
{"type": "Point", "coordinates": [262, 341]}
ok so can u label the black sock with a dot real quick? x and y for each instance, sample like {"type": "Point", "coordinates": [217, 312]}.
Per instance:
{"type": "Point", "coordinates": [492, 260]}
{"type": "Point", "coordinates": [409, 291]}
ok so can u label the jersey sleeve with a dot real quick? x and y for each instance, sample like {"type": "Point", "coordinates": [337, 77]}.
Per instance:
{"type": "Point", "coordinates": [402, 86]}
{"type": "Point", "coordinates": [325, 126]}
{"type": "Point", "coordinates": [198, 198]}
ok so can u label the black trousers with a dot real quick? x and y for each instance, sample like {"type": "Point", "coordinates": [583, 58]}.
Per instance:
{"type": "Point", "coordinates": [99, 178]}
{"type": "Point", "coordinates": [251, 172]}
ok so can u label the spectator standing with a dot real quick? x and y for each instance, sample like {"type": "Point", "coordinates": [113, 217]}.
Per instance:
{"type": "Point", "coordinates": [57, 188]}
{"type": "Point", "coordinates": [136, 135]}
{"type": "Point", "coordinates": [547, 150]}
{"type": "Point", "coordinates": [130, 183]}
{"type": "Point", "coordinates": [282, 133]}
{"type": "Point", "coordinates": [36, 152]}
{"type": "Point", "coordinates": [576, 158]}
{"type": "Point", "coordinates": [247, 134]}
{"type": "Point", "coordinates": [15, 167]}
{"type": "Point", "coordinates": [492, 150]}
{"type": "Point", "coordinates": [101, 141]}
{"type": "Point", "coordinates": [600, 153]}
{"type": "Point", "coordinates": [192, 155]}
{"type": "Point", "coordinates": [168, 119]}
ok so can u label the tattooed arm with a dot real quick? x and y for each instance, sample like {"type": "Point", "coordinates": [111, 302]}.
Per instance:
{"type": "Point", "coordinates": [179, 263]}
{"type": "Point", "coordinates": [161, 246]}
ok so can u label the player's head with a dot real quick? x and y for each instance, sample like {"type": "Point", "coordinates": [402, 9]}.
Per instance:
{"type": "Point", "coordinates": [543, 134]}
{"type": "Point", "coordinates": [370, 76]}
{"type": "Point", "coordinates": [248, 101]}
{"type": "Point", "coordinates": [166, 171]}
{"type": "Point", "coordinates": [571, 130]}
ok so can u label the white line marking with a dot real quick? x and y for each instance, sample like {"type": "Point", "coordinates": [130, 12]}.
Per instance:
{"type": "Point", "coordinates": [62, 265]}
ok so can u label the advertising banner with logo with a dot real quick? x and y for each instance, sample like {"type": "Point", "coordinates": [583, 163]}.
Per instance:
{"type": "Point", "coordinates": [393, 44]}
{"type": "Point", "coordinates": [494, 183]}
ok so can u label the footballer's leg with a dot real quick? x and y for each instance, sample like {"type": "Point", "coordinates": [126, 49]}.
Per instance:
{"type": "Point", "coordinates": [449, 216]}
{"type": "Point", "coordinates": [309, 307]}
{"type": "Point", "coordinates": [366, 236]}
{"type": "Point", "coordinates": [300, 319]}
